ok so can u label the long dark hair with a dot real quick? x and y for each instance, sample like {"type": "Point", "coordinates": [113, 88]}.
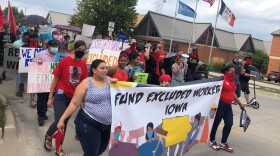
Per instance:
{"type": "Point", "coordinates": [151, 125]}
{"type": "Point", "coordinates": [94, 65]}
{"type": "Point", "coordinates": [133, 56]}
{"type": "Point", "coordinates": [79, 43]}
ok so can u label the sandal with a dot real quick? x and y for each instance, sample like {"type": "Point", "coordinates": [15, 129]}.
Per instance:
{"type": "Point", "coordinates": [60, 153]}
{"type": "Point", "coordinates": [48, 143]}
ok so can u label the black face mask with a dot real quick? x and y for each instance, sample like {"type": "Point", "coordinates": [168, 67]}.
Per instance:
{"type": "Point", "coordinates": [79, 54]}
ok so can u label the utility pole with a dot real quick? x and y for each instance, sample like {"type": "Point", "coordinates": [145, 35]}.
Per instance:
{"type": "Point", "coordinates": [25, 10]}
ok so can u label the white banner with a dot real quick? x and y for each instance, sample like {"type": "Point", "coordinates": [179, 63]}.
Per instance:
{"type": "Point", "coordinates": [26, 56]}
{"type": "Point", "coordinates": [10, 63]}
{"type": "Point", "coordinates": [88, 30]}
{"type": "Point", "coordinates": [162, 120]}
{"type": "Point", "coordinates": [40, 77]}
{"type": "Point", "coordinates": [106, 50]}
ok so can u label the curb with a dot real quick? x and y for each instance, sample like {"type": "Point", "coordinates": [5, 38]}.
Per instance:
{"type": "Point", "coordinates": [10, 127]}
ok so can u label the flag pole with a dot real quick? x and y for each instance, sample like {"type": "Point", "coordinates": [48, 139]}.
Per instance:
{"type": "Point", "coordinates": [192, 27]}
{"type": "Point", "coordinates": [210, 55]}
{"type": "Point", "coordinates": [173, 27]}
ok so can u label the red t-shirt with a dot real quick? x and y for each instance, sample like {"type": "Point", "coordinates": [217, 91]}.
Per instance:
{"type": "Point", "coordinates": [120, 75]}
{"type": "Point", "coordinates": [228, 91]}
{"type": "Point", "coordinates": [70, 73]}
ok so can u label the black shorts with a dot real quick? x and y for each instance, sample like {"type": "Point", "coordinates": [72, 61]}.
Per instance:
{"type": "Point", "coordinates": [245, 88]}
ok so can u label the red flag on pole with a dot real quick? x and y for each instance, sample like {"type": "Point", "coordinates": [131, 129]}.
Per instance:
{"type": "Point", "coordinates": [2, 18]}
{"type": "Point", "coordinates": [11, 19]}
{"type": "Point", "coordinates": [211, 2]}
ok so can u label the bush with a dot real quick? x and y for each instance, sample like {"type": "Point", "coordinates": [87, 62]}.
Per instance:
{"type": "Point", "coordinates": [217, 64]}
{"type": "Point", "coordinates": [260, 60]}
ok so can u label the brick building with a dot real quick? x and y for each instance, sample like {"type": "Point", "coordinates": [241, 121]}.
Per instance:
{"type": "Point", "coordinates": [274, 58]}
{"type": "Point", "coordinates": [156, 27]}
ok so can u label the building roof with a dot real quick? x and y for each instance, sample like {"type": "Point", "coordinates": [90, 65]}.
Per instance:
{"type": "Point", "coordinates": [164, 24]}
{"type": "Point", "coordinates": [226, 40]}
{"type": "Point", "coordinates": [276, 33]}
{"type": "Point", "coordinates": [139, 18]}
{"type": "Point", "coordinates": [58, 18]}
{"type": "Point", "coordinates": [262, 45]}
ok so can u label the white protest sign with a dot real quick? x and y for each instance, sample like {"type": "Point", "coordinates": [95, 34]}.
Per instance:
{"type": "Point", "coordinates": [106, 50]}
{"type": "Point", "coordinates": [40, 77]}
{"type": "Point", "coordinates": [178, 117]}
{"type": "Point", "coordinates": [84, 38]}
{"type": "Point", "coordinates": [88, 30]}
{"type": "Point", "coordinates": [11, 53]}
{"type": "Point", "coordinates": [111, 26]}
{"type": "Point", "coordinates": [45, 30]}
{"type": "Point", "coordinates": [26, 56]}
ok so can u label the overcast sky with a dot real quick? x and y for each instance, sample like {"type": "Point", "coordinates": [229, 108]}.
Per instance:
{"type": "Point", "coordinates": [257, 17]}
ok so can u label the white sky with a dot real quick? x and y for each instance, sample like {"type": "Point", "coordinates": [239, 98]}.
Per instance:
{"type": "Point", "coordinates": [257, 17]}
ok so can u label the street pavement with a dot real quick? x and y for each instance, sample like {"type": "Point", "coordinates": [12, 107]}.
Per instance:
{"type": "Point", "coordinates": [262, 137]}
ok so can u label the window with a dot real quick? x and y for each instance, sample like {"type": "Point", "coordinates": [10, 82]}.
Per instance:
{"type": "Point", "coordinates": [203, 39]}
{"type": "Point", "coordinates": [153, 32]}
{"type": "Point", "coordinates": [174, 47]}
{"type": "Point", "coordinates": [142, 30]}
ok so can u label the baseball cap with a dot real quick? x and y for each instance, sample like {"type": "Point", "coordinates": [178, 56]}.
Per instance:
{"type": "Point", "coordinates": [55, 33]}
{"type": "Point", "coordinates": [53, 43]}
{"type": "Point", "coordinates": [164, 78]}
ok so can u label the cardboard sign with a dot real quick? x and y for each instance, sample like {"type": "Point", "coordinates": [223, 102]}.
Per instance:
{"type": "Point", "coordinates": [141, 78]}
{"type": "Point", "coordinates": [123, 37]}
{"type": "Point", "coordinates": [11, 54]}
{"type": "Point", "coordinates": [184, 117]}
{"type": "Point", "coordinates": [111, 26]}
{"type": "Point", "coordinates": [106, 50]}
{"type": "Point", "coordinates": [70, 46]}
{"type": "Point", "coordinates": [88, 30]}
{"type": "Point", "coordinates": [44, 37]}
{"type": "Point", "coordinates": [26, 56]}
{"type": "Point", "coordinates": [40, 77]}
{"type": "Point", "coordinates": [84, 38]}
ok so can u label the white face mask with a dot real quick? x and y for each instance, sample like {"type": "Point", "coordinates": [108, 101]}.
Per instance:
{"type": "Point", "coordinates": [240, 60]}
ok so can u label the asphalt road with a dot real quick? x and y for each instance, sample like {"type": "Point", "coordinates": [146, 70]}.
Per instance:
{"type": "Point", "coordinates": [262, 137]}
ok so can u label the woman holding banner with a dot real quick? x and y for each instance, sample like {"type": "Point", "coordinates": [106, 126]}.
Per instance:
{"type": "Point", "coordinates": [93, 121]}
{"type": "Point", "coordinates": [119, 71]}
{"type": "Point", "coordinates": [68, 74]}
{"type": "Point", "coordinates": [224, 110]}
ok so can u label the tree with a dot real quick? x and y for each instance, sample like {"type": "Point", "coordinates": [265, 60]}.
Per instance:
{"type": "Point", "coordinates": [260, 60]}
{"type": "Point", "coordinates": [18, 14]}
{"type": "Point", "coordinates": [100, 12]}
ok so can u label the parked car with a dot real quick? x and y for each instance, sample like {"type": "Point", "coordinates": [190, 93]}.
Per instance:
{"type": "Point", "coordinates": [201, 72]}
{"type": "Point", "coordinates": [274, 76]}
{"type": "Point", "coordinates": [255, 71]}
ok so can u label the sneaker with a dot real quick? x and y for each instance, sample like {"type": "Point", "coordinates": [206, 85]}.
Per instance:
{"type": "Point", "coordinates": [41, 121]}
{"type": "Point", "coordinates": [33, 104]}
{"type": "Point", "coordinates": [20, 100]}
{"type": "Point", "coordinates": [214, 145]}
{"type": "Point", "coordinates": [226, 147]}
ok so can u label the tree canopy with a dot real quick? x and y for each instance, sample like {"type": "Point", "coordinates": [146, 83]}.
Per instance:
{"type": "Point", "coordinates": [18, 14]}
{"type": "Point", "coordinates": [100, 12]}
{"type": "Point", "coordinates": [260, 60]}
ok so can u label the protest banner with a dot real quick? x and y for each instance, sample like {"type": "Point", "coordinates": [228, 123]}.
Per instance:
{"type": "Point", "coordinates": [45, 33]}
{"type": "Point", "coordinates": [84, 38]}
{"type": "Point", "coordinates": [26, 56]}
{"type": "Point", "coordinates": [106, 50]}
{"type": "Point", "coordinates": [123, 37]}
{"type": "Point", "coordinates": [88, 30]}
{"type": "Point", "coordinates": [40, 77]}
{"type": "Point", "coordinates": [10, 63]}
{"type": "Point", "coordinates": [172, 118]}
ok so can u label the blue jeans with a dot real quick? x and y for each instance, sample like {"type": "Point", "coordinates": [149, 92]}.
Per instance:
{"type": "Point", "coordinates": [93, 135]}
{"type": "Point", "coordinates": [238, 90]}
{"type": "Point", "coordinates": [42, 99]}
{"type": "Point", "coordinates": [224, 111]}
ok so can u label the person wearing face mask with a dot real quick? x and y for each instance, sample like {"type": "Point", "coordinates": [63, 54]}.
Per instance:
{"type": "Point", "coordinates": [150, 147]}
{"type": "Point", "coordinates": [93, 121]}
{"type": "Point", "coordinates": [132, 47]}
{"type": "Point", "coordinates": [55, 35]}
{"type": "Point", "coordinates": [20, 43]}
{"type": "Point", "coordinates": [236, 63]}
{"type": "Point", "coordinates": [224, 110]}
{"type": "Point", "coordinates": [32, 43]}
{"type": "Point", "coordinates": [5, 37]}
{"type": "Point", "coordinates": [68, 74]}
{"type": "Point", "coordinates": [245, 76]}
{"type": "Point", "coordinates": [154, 63]}
{"type": "Point", "coordinates": [47, 55]}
